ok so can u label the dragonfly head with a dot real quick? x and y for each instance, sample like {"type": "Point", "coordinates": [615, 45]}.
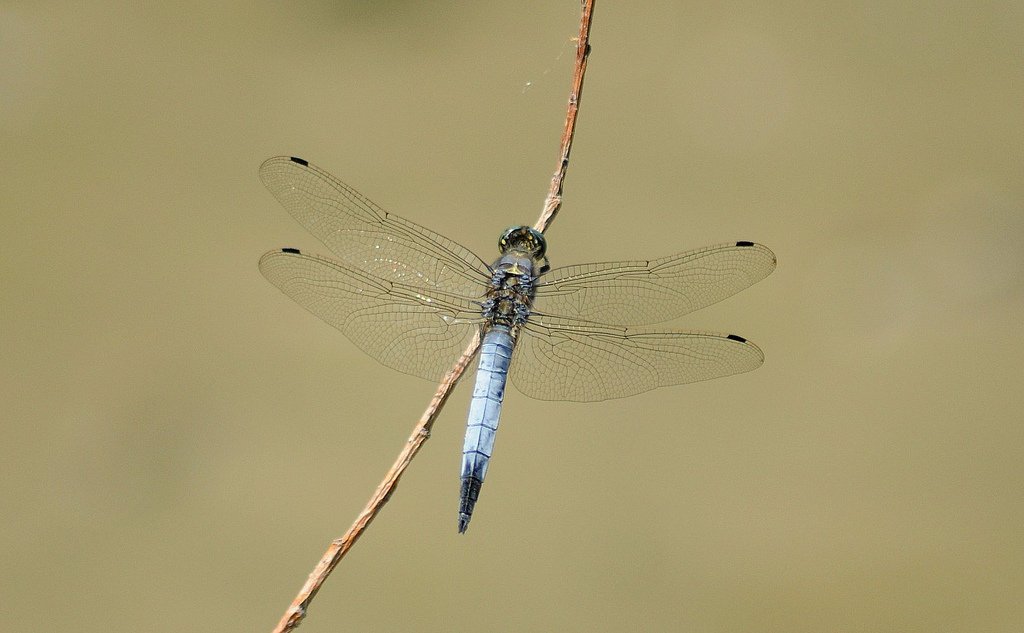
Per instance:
{"type": "Point", "coordinates": [523, 239]}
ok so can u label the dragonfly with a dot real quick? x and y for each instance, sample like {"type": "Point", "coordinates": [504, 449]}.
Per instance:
{"type": "Point", "coordinates": [413, 299]}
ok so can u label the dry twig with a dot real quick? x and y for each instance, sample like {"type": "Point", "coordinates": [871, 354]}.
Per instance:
{"type": "Point", "coordinates": [297, 611]}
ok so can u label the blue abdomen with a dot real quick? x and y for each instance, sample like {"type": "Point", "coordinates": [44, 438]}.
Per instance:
{"type": "Point", "coordinates": [484, 410]}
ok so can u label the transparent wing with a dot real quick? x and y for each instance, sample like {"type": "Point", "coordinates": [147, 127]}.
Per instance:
{"type": "Point", "coordinates": [366, 237]}
{"type": "Point", "coordinates": [407, 328]}
{"type": "Point", "coordinates": [644, 292]}
{"type": "Point", "coordinates": [559, 359]}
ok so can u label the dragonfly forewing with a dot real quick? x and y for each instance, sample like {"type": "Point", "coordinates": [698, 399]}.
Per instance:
{"type": "Point", "coordinates": [367, 237]}
{"type": "Point", "coordinates": [646, 292]}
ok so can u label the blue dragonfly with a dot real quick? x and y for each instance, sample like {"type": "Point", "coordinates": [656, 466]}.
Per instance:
{"type": "Point", "coordinates": [412, 299]}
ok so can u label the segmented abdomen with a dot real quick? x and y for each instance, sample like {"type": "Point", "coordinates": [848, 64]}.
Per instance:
{"type": "Point", "coordinates": [484, 410]}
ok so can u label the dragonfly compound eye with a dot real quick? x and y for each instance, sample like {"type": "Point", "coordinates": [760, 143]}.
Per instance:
{"type": "Point", "coordinates": [523, 239]}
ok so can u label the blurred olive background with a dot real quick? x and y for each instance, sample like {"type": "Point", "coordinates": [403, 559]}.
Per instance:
{"type": "Point", "coordinates": [182, 441]}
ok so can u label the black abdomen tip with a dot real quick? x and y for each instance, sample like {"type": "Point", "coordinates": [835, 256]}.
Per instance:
{"type": "Point", "coordinates": [300, 161]}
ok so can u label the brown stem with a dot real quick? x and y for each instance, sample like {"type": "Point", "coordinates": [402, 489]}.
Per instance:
{"type": "Point", "coordinates": [297, 611]}
{"type": "Point", "coordinates": [554, 200]}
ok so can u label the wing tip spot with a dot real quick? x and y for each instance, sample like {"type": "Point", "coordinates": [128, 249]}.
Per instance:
{"type": "Point", "coordinates": [293, 251]}
{"type": "Point", "coordinates": [736, 338]}
{"type": "Point", "coordinates": [737, 243]}
{"type": "Point", "coordinates": [300, 161]}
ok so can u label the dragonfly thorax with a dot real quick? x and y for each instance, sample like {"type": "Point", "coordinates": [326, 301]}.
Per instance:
{"type": "Point", "coordinates": [510, 292]}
